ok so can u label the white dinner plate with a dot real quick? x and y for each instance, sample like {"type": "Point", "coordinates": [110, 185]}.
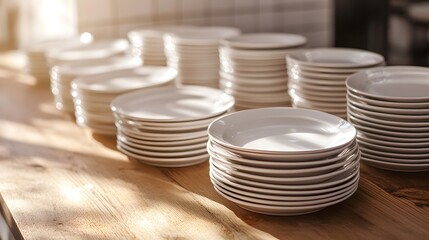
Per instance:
{"type": "Point", "coordinates": [395, 160]}
{"type": "Point", "coordinates": [381, 103]}
{"type": "Point", "coordinates": [173, 143]}
{"type": "Point", "coordinates": [161, 136]}
{"type": "Point", "coordinates": [364, 137]}
{"type": "Point", "coordinates": [281, 131]}
{"type": "Point", "coordinates": [294, 163]}
{"type": "Point", "coordinates": [201, 36]}
{"type": "Point", "coordinates": [173, 104]}
{"type": "Point", "coordinates": [284, 179]}
{"type": "Point", "coordinates": [382, 147]}
{"type": "Point", "coordinates": [125, 80]}
{"type": "Point", "coordinates": [265, 41]}
{"type": "Point", "coordinates": [389, 116]}
{"type": "Point", "coordinates": [394, 83]}
{"type": "Point", "coordinates": [265, 171]}
{"type": "Point", "coordinates": [175, 148]}
{"type": "Point", "coordinates": [368, 122]}
{"type": "Point", "coordinates": [397, 134]}
{"type": "Point", "coordinates": [287, 201]}
{"type": "Point", "coordinates": [160, 154]}
{"type": "Point", "coordinates": [401, 111]}
{"type": "Point", "coordinates": [336, 57]}
{"type": "Point", "coordinates": [364, 150]}
{"type": "Point", "coordinates": [400, 167]}
{"type": "Point", "coordinates": [294, 64]}
{"type": "Point", "coordinates": [297, 192]}
{"type": "Point", "coordinates": [335, 181]}
{"type": "Point", "coordinates": [165, 162]}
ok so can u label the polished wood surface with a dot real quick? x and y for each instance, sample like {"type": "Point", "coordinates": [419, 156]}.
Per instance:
{"type": "Point", "coordinates": [59, 181]}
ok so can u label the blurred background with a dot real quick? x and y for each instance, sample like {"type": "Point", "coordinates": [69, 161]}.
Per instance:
{"type": "Point", "coordinates": [398, 29]}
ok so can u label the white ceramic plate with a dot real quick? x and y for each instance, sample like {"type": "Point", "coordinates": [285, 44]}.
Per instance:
{"type": "Point", "coordinates": [389, 116]}
{"type": "Point", "coordinates": [281, 131]}
{"type": "Point", "coordinates": [139, 145]}
{"type": "Point", "coordinates": [304, 193]}
{"type": "Point", "coordinates": [402, 156]}
{"type": "Point", "coordinates": [397, 134]}
{"type": "Point", "coordinates": [381, 103]}
{"type": "Point", "coordinates": [168, 144]}
{"type": "Point", "coordinates": [364, 137]}
{"type": "Point", "coordinates": [165, 162]}
{"type": "Point", "coordinates": [400, 167]}
{"type": "Point", "coordinates": [96, 50]}
{"type": "Point", "coordinates": [382, 147]}
{"type": "Point", "coordinates": [265, 41]}
{"type": "Point", "coordinates": [336, 58]}
{"type": "Point", "coordinates": [368, 122]}
{"type": "Point", "coordinates": [287, 201]}
{"type": "Point", "coordinates": [335, 181]}
{"type": "Point", "coordinates": [395, 160]}
{"type": "Point", "coordinates": [219, 152]}
{"type": "Point", "coordinates": [395, 84]}
{"type": "Point", "coordinates": [173, 104]}
{"type": "Point", "coordinates": [293, 64]}
{"type": "Point", "coordinates": [280, 210]}
{"type": "Point", "coordinates": [284, 179]}
{"type": "Point", "coordinates": [265, 171]}
{"type": "Point", "coordinates": [389, 122]}
{"type": "Point", "coordinates": [125, 80]}
{"type": "Point", "coordinates": [404, 111]}
{"type": "Point", "coordinates": [161, 154]}
{"type": "Point", "coordinates": [201, 36]}
{"type": "Point", "coordinates": [161, 136]}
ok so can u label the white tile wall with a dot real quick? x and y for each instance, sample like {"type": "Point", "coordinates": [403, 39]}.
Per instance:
{"type": "Point", "coordinates": [114, 18]}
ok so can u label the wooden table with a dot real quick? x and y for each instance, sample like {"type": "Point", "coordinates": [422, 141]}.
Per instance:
{"type": "Point", "coordinates": [59, 181]}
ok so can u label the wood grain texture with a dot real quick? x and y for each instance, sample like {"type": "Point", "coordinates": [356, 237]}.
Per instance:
{"type": "Point", "coordinates": [58, 181]}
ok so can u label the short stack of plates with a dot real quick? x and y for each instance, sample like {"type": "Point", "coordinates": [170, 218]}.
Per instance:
{"type": "Point", "coordinates": [253, 68]}
{"type": "Point", "coordinates": [317, 76]}
{"type": "Point", "coordinates": [167, 127]}
{"type": "Point", "coordinates": [389, 106]}
{"type": "Point", "coordinates": [101, 49]}
{"type": "Point", "coordinates": [149, 45]}
{"type": "Point", "coordinates": [37, 61]}
{"type": "Point", "coordinates": [92, 94]}
{"type": "Point", "coordinates": [283, 161]}
{"type": "Point", "coordinates": [195, 54]}
{"type": "Point", "coordinates": [63, 75]}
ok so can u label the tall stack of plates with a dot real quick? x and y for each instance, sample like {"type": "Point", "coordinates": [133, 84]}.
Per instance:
{"type": "Point", "coordinates": [253, 68]}
{"type": "Point", "coordinates": [167, 127]}
{"type": "Point", "coordinates": [283, 161]}
{"type": "Point", "coordinates": [195, 54]}
{"type": "Point", "coordinates": [96, 50]}
{"type": "Point", "coordinates": [317, 76]}
{"type": "Point", "coordinates": [92, 94]}
{"type": "Point", "coordinates": [149, 45]}
{"type": "Point", "coordinates": [63, 75]}
{"type": "Point", "coordinates": [36, 54]}
{"type": "Point", "coordinates": [389, 106]}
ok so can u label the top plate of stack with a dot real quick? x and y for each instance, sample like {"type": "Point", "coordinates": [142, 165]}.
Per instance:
{"type": "Point", "coordinates": [390, 108]}
{"type": "Point", "coordinates": [253, 68]}
{"type": "Point", "coordinates": [317, 76]}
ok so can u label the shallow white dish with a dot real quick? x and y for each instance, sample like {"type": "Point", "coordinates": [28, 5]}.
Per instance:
{"type": "Point", "coordinates": [124, 80]}
{"type": "Point", "coordinates": [389, 116]}
{"type": "Point", "coordinates": [286, 201]}
{"type": "Point", "coordinates": [385, 125]}
{"type": "Point", "coordinates": [173, 104]}
{"type": "Point", "coordinates": [400, 149]}
{"type": "Point", "coordinates": [161, 154]}
{"type": "Point", "coordinates": [400, 167]}
{"type": "Point", "coordinates": [394, 83]}
{"type": "Point", "coordinates": [403, 156]}
{"type": "Point", "coordinates": [201, 36]}
{"type": "Point", "coordinates": [335, 181]}
{"type": "Point", "coordinates": [270, 131]}
{"type": "Point", "coordinates": [165, 162]}
{"type": "Point", "coordinates": [400, 111]}
{"type": "Point", "coordinates": [297, 192]}
{"type": "Point", "coordinates": [265, 41]}
{"type": "Point", "coordinates": [294, 163]}
{"type": "Point", "coordinates": [414, 105]}
{"type": "Point", "coordinates": [286, 172]}
{"type": "Point", "coordinates": [284, 179]}
{"type": "Point", "coordinates": [335, 57]}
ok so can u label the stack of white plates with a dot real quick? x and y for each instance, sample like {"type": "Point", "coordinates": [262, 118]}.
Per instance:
{"type": "Point", "coordinates": [149, 45]}
{"type": "Point", "coordinates": [389, 106]}
{"type": "Point", "coordinates": [283, 161]}
{"type": "Point", "coordinates": [253, 68]}
{"type": "Point", "coordinates": [195, 54]}
{"type": "Point", "coordinates": [63, 75]}
{"type": "Point", "coordinates": [37, 64]}
{"type": "Point", "coordinates": [96, 50]}
{"type": "Point", "coordinates": [92, 94]}
{"type": "Point", "coordinates": [167, 127]}
{"type": "Point", "coordinates": [317, 76]}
